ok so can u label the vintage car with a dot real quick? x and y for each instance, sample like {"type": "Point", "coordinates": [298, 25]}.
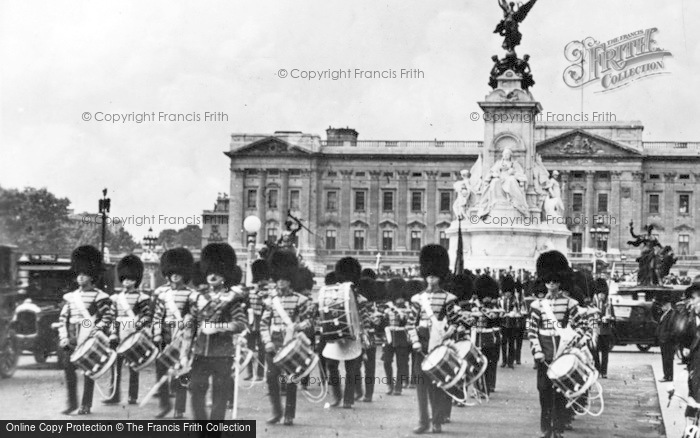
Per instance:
{"type": "Point", "coordinates": [9, 354]}
{"type": "Point", "coordinates": [636, 313]}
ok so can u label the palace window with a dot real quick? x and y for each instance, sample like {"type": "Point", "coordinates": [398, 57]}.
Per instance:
{"type": "Point", "coordinates": [445, 175]}
{"type": "Point", "coordinates": [359, 240]}
{"type": "Point", "coordinates": [684, 203]}
{"type": "Point", "coordinates": [387, 240]}
{"type": "Point", "coordinates": [577, 206]}
{"type": "Point", "coordinates": [332, 200]}
{"type": "Point", "coordinates": [273, 172]}
{"type": "Point", "coordinates": [332, 174]}
{"type": "Point", "coordinates": [602, 243]}
{"type": "Point", "coordinates": [653, 203]}
{"type": "Point", "coordinates": [388, 200]}
{"type": "Point", "coordinates": [684, 176]}
{"type": "Point", "coordinates": [272, 234]}
{"type": "Point", "coordinates": [416, 201]}
{"type": "Point", "coordinates": [654, 176]}
{"type": "Point", "coordinates": [576, 242]}
{"type": "Point", "coordinates": [360, 196]}
{"type": "Point", "coordinates": [294, 172]}
{"type": "Point", "coordinates": [330, 239]}
{"type": "Point", "coordinates": [415, 240]}
{"type": "Point", "coordinates": [251, 172]}
{"type": "Point", "coordinates": [272, 198]}
{"type": "Point", "coordinates": [445, 201]}
{"type": "Point", "coordinates": [602, 202]}
{"type": "Point", "coordinates": [388, 175]}
{"type": "Point", "coordinates": [603, 176]}
{"type": "Point", "coordinates": [683, 244]}
{"type": "Point", "coordinates": [444, 240]}
{"type": "Point", "coordinates": [577, 175]}
{"type": "Point", "coordinates": [360, 174]}
{"type": "Point", "coordinates": [294, 200]}
{"type": "Point", "coordinates": [417, 174]}
{"type": "Point", "coordinates": [252, 198]}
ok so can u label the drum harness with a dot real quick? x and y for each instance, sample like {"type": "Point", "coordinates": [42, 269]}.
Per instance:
{"type": "Point", "coordinates": [277, 305]}
{"type": "Point", "coordinates": [77, 300]}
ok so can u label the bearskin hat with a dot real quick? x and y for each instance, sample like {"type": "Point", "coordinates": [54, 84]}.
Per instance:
{"type": "Point", "coordinates": [177, 261]}
{"type": "Point", "coordinates": [303, 280]}
{"type": "Point", "coordinates": [538, 287]}
{"type": "Point", "coordinates": [283, 265]}
{"type": "Point", "coordinates": [130, 267]}
{"type": "Point", "coordinates": [434, 261]}
{"type": "Point", "coordinates": [553, 265]}
{"type": "Point", "coordinates": [508, 284]}
{"type": "Point", "coordinates": [348, 269]}
{"type": "Point", "coordinates": [367, 288]}
{"type": "Point", "coordinates": [220, 259]}
{"type": "Point", "coordinates": [693, 289]}
{"type": "Point", "coordinates": [463, 286]}
{"type": "Point", "coordinates": [380, 291]}
{"type": "Point", "coordinates": [87, 260]}
{"type": "Point", "coordinates": [260, 270]}
{"type": "Point", "coordinates": [198, 277]}
{"type": "Point", "coordinates": [396, 288]}
{"type": "Point", "coordinates": [600, 286]}
{"type": "Point", "coordinates": [578, 294]}
{"type": "Point", "coordinates": [369, 273]}
{"type": "Point", "coordinates": [485, 286]}
{"type": "Point", "coordinates": [330, 279]}
{"type": "Point", "coordinates": [413, 287]}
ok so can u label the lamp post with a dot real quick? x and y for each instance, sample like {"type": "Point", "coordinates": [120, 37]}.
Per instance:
{"type": "Point", "coordinates": [622, 259]}
{"type": "Point", "coordinates": [104, 205]}
{"type": "Point", "coordinates": [251, 225]}
{"type": "Point", "coordinates": [150, 259]}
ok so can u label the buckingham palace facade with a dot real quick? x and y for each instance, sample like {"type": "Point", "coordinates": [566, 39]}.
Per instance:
{"type": "Point", "coordinates": [364, 197]}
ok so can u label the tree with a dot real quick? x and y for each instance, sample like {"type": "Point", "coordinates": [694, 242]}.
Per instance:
{"type": "Point", "coordinates": [89, 232]}
{"type": "Point", "coordinates": [35, 220]}
{"type": "Point", "coordinates": [189, 237]}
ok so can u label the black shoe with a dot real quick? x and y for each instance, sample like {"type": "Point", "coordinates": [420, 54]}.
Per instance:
{"type": "Point", "coordinates": [358, 396]}
{"type": "Point", "coordinates": [603, 376]}
{"type": "Point", "coordinates": [274, 420]}
{"type": "Point", "coordinates": [335, 403]}
{"type": "Point", "coordinates": [397, 392]}
{"type": "Point", "coordinates": [446, 420]}
{"type": "Point", "coordinates": [534, 367]}
{"type": "Point", "coordinates": [390, 391]}
{"type": "Point", "coordinates": [666, 380]}
{"type": "Point", "coordinates": [69, 409]}
{"type": "Point", "coordinates": [568, 426]}
{"type": "Point", "coordinates": [288, 421]}
{"type": "Point", "coordinates": [503, 365]}
{"type": "Point", "coordinates": [133, 401]}
{"type": "Point", "coordinates": [437, 428]}
{"type": "Point", "coordinates": [164, 410]}
{"type": "Point", "coordinates": [347, 406]}
{"type": "Point", "coordinates": [367, 400]}
{"type": "Point", "coordinates": [517, 362]}
{"type": "Point", "coordinates": [178, 415]}
{"type": "Point", "coordinates": [84, 410]}
{"type": "Point", "coordinates": [422, 428]}
{"type": "Point", "coordinates": [511, 366]}
{"type": "Point", "coordinates": [111, 401]}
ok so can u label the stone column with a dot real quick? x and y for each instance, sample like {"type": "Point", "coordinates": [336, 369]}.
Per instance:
{"type": "Point", "coordinates": [374, 210]}
{"type": "Point", "coordinates": [639, 199]}
{"type": "Point", "coordinates": [306, 200]}
{"type": "Point", "coordinates": [402, 211]}
{"type": "Point", "coordinates": [284, 196]}
{"type": "Point", "coordinates": [588, 210]}
{"type": "Point", "coordinates": [431, 207]}
{"type": "Point", "coordinates": [615, 222]}
{"type": "Point", "coordinates": [695, 214]}
{"type": "Point", "coordinates": [564, 185]}
{"type": "Point", "coordinates": [669, 210]}
{"type": "Point", "coordinates": [262, 206]}
{"type": "Point", "coordinates": [237, 207]}
{"type": "Point", "coordinates": [343, 234]}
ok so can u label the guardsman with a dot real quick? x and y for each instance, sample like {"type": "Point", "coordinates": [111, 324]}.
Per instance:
{"type": "Point", "coordinates": [547, 317]}
{"type": "Point", "coordinates": [397, 314]}
{"type": "Point", "coordinates": [171, 306]}
{"type": "Point", "coordinates": [431, 304]}
{"type": "Point", "coordinates": [258, 293]}
{"type": "Point", "coordinates": [213, 318]}
{"type": "Point", "coordinates": [605, 328]}
{"type": "Point", "coordinates": [286, 314]}
{"type": "Point", "coordinates": [85, 311]}
{"type": "Point", "coordinates": [133, 313]}
{"type": "Point", "coordinates": [366, 299]}
{"type": "Point", "coordinates": [509, 304]}
{"type": "Point", "coordinates": [487, 326]}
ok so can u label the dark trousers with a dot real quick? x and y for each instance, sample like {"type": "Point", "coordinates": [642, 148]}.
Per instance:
{"type": "Point", "coordinates": [219, 368]}
{"type": "Point", "coordinates": [605, 343]}
{"type": "Point", "coordinates": [133, 380]}
{"type": "Point", "coordinates": [491, 352]}
{"type": "Point", "coordinates": [255, 343]}
{"type": "Point", "coordinates": [401, 354]}
{"type": "Point", "coordinates": [426, 390]}
{"type": "Point", "coordinates": [415, 365]}
{"type": "Point", "coordinates": [552, 403]}
{"type": "Point", "coordinates": [508, 345]}
{"type": "Point", "coordinates": [164, 390]}
{"type": "Point", "coordinates": [70, 372]}
{"type": "Point", "coordinates": [519, 337]}
{"type": "Point", "coordinates": [351, 379]}
{"type": "Point", "coordinates": [668, 350]}
{"type": "Point", "coordinates": [369, 361]}
{"type": "Point", "coordinates": [274, 377]}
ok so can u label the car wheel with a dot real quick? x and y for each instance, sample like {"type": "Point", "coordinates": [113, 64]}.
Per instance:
{"type": "Point", "coordinates": [9, 357]}
{"type": "Point", "coordinates": [40, 356]}
{"type": "Point", "coordinates": [643, 347]}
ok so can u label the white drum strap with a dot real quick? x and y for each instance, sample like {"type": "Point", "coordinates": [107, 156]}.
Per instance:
{"type": "Point", "coordinates": [124, 304]}
{"type": "Point", "coordinates": [78, 302]}
{"type": "Point", "coordinates": [277, 305]}
{"type": "Point", "coordinates": [428, 309]}
{"type": "Point", "coordinates": [170, 302]}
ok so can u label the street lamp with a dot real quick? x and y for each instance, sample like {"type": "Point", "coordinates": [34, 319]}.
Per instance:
{"type": "Point", "coordinates": [251, 225]}
{"type": "Point", "coordinates": [104, 205]}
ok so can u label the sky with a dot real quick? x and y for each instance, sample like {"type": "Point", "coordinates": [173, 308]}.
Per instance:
{"type": "Point", "coordinates": [60, 60]}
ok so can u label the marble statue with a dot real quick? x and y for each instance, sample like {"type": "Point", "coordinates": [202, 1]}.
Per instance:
{"type": "Point", "coordinates": [464, 193]}
{"type": "Point", "coordinates": [506, 180]}
{"type": "Point", "coordinates": [553, 205]}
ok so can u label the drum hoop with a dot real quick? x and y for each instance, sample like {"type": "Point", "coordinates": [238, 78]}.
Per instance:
{"type": "Point", "coordinates": [480, 373]}
{"type": "Point", "coordinates": [104, 368]}
{"type": "Point", "coordinates": [148, 361]}
{"type": "Point", "coordinates": [123, 346]}
{"type": "Point", "coordinates": [288, 348]}
{"type": "Point", "coordinates": [431, 354]}
{"type": "Point", "coordinates": [592, 378]}
{"type": "Point", "coordinates": [563, 356]}
{"type": "Point", "coordinates": [308, 370]}
{"type": "Point", "coordinates": [458, 377]}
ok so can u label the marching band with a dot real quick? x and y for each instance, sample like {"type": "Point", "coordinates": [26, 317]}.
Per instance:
{"type": "Point", "coordinates": [454, 328]}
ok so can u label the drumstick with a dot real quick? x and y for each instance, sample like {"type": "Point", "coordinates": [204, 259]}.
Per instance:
{"type": "Point", "coordinates": [153, 390]}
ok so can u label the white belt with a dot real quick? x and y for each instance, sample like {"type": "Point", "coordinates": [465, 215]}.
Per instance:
{"type": "Point", "coordinates": [488, 330]}
{"type": "Point", "coordinates": [397, 329]}
{"type": "Point", "coordinates": [77, 320]}
{"type": "Point", "coordinates": [547, 332]}
{"type": "Point", "coordinates": [425, 323]}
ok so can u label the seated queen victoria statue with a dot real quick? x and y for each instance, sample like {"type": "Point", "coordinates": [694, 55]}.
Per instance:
{"type": "Point", "coordinates": [505, 181]}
